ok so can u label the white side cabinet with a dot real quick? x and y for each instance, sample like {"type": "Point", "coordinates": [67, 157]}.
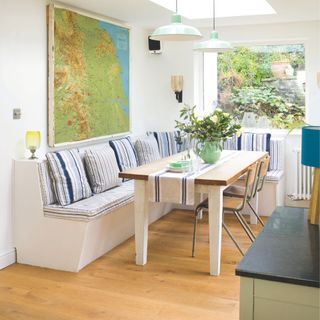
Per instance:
{"type": "Point", "coordinates": [270, 300]}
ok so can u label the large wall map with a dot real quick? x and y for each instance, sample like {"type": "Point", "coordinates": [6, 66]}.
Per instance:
{"type": "Point", "coordinates": [90, 62]}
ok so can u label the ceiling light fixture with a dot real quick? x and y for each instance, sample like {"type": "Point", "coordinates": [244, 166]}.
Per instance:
{"type": "Point", "coordinates": [176, 31]}
{"type": "Point", "coordinates": [213, 44]}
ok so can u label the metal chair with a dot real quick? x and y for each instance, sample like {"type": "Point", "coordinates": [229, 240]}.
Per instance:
{"type": "Point", "coordinates": [238, 191]}
{"type": "Point", "coordinates": [234, 204]}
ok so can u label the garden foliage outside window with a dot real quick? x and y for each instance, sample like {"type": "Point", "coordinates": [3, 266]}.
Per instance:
{"type": "Point", "coordinates": [263, 86]}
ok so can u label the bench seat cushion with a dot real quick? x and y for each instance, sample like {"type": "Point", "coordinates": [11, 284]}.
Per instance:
{"type": "Point", "coordinates": [274, 175]}
{"type": "Point", "coordinates": [95, 206]}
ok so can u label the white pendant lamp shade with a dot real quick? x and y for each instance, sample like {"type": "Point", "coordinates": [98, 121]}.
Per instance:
{"type": "Point", "coordinates": [213, 44]}
{"type": "Point", "coordinates": [176, 31]}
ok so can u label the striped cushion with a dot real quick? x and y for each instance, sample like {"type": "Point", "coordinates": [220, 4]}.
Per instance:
{"type": "Point", "coordinates": [46, 184]}
{"type": "Point", "coordinates": [102, 169]}
{"type": "Point", "coordinates": [277, 147]}
{"type": "Point", "coordinates": [94, 207]}
{"type": "Point", "coordinates": [166, 142]}
{"type": "Point", "coordinates": [254, 141]}
{"type": "Point", "coordinates": [274, 175]}
{"type": "Point", "coordinates": [147, 150]}
{"type": "Point", "coordinates": [125, 153]}
{"type": "Point", "coordinates": [69, 178]}
{"type": "Point", "coordinates": [231, 143]}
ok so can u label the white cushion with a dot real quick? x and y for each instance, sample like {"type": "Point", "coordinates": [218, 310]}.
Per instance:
{"type": "Point", "coordinates": [274, 175]}
{"type": "Point", "coordinates": [102, 169]}
{"type": "Point", "coordinates": [147, 150]}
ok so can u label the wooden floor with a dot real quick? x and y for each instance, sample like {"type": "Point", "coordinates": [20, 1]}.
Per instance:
{"type": "Point", "coordinates": [173, 285]}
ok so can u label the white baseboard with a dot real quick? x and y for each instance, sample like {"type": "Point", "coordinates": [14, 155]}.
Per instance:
{"type": "Point", "coordinates": [7, 258]}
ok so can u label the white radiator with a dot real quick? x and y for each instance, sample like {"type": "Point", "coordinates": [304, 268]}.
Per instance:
{"type": "Point", "coordinates": [303, 177]}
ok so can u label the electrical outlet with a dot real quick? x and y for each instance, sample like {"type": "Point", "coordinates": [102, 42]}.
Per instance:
{"type": "Point", "coordinates": [16, 113]}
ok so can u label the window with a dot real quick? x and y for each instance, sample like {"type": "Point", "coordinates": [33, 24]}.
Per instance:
{"type": "Point", "coordinates": [263, 85]}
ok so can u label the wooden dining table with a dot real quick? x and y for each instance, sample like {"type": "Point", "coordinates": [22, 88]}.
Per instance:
{"type": "Point", "coordinates": [212, 183]}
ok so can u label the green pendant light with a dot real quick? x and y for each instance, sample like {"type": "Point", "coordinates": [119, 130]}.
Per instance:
{"type": "Point", "coordinates": [176, 31]}
{"type": "Point", "coordinates": [213, 44]}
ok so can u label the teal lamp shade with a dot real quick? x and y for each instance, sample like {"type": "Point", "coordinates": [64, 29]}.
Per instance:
{"type": "Point", "coordinates": [213, 44]}
{"type": "Point", "coordinates": [176, 31]}
{"type": "Point", "coordinates": [310, 150]}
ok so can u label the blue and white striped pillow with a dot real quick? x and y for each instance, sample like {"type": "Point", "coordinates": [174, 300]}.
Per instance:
{"type": "Point", "coordinates": [125, 153]}
{"type": "Point", "coordinates": [69, 177]}
{"type": "Point", "coordinates": [147, 150]}
{"type": "Point", "coordinates": [102, 169]}
{"type": "Point", "coordinates": [167, 143]}
{"type": "Point", "coordinates": [250, 141]}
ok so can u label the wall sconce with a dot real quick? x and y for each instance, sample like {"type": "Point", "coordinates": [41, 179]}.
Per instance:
{"type": "Point", "coordinates": [33, 142]}
{"type": "Point", "coordinates": [177, 86]}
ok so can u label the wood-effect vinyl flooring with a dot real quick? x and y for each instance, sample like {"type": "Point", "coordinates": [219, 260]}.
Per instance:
{"type": "Point", "coordinates": [173, 285]}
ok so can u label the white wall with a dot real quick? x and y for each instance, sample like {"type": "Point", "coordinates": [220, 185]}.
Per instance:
{"type": "Point", "coordinates": [23, 83]}
{"type": "Point", "coordinates": [154, 105]}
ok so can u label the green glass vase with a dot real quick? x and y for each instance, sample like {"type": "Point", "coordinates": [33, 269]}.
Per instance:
{"type": "Point", "coordinates": [209, 151]}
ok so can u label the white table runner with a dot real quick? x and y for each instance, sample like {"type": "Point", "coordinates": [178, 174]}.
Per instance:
{"type": "Point", "coordinates": [172, 187]}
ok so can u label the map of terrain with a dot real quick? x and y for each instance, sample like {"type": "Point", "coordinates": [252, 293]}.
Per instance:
{"type": "Point", "coordinates": [91, 77]}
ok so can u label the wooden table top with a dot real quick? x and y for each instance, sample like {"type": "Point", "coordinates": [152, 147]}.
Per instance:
{"type": "Point", "coordinates": [222, 175]}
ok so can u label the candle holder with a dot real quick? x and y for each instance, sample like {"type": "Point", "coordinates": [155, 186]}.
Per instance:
{"type": "Point", "coordinates": [33, 142]}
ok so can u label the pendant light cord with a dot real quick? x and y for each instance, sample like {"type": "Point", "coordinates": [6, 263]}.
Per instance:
{"type": "Point", "coordinates": [214, 15]}
{"type": "Point", "coordinates": [176, 6]}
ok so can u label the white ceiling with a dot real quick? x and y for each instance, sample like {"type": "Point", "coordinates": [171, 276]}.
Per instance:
{"type": "Point", "coordinates": [148, 14]}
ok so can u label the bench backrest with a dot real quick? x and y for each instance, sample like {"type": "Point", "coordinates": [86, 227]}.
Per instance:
{"type": "Point", "coordinates": [260, 142]}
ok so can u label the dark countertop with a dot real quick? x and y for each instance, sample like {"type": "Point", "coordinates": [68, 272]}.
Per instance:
{"type": "Point", "coordinates": [287, 250]}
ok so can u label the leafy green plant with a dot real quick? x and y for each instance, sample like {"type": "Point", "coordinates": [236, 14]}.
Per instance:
{"type": "Point", "coordinates": [264, 101]}
{"type": "Point", "coordinates": [217, 125]}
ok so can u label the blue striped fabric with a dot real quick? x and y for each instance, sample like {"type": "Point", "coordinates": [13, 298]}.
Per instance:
{"type": "Point", "coordinates": [125, 153]}
{"type": "Point", "coordinates": [167, 143]}
{"type": "Point", "coordinates": [69, 177]}
{"type": "Point", "coordinates": [250, 141]}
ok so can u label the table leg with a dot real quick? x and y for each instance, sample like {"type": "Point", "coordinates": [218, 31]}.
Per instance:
{"type": "Point", "coordinates": [141, 217]}
{"type": "Point", "coordinates": [215, 198]}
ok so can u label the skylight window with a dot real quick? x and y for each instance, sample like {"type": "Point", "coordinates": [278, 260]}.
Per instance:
{"type": "Point", "coordinates": [202, 9]}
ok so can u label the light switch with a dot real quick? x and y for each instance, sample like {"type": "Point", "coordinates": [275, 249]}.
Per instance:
{"type": "Point", "coordinates": [16, 113]}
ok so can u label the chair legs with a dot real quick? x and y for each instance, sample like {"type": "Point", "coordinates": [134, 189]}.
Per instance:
{"type": "Point", "coordinates": [255, 213]}
{"type": "Point", "coordinates": [195, 231]}
{"type": "Point", "coordinates": [232, 238]}
{"type": "Point", "coordinates": [244, 225]}
{"type": "Point", "coordinates": [197, 211]}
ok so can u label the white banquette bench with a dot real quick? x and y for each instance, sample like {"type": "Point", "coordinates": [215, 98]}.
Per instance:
{"type": "Point", "coordinates": [68, 237]}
